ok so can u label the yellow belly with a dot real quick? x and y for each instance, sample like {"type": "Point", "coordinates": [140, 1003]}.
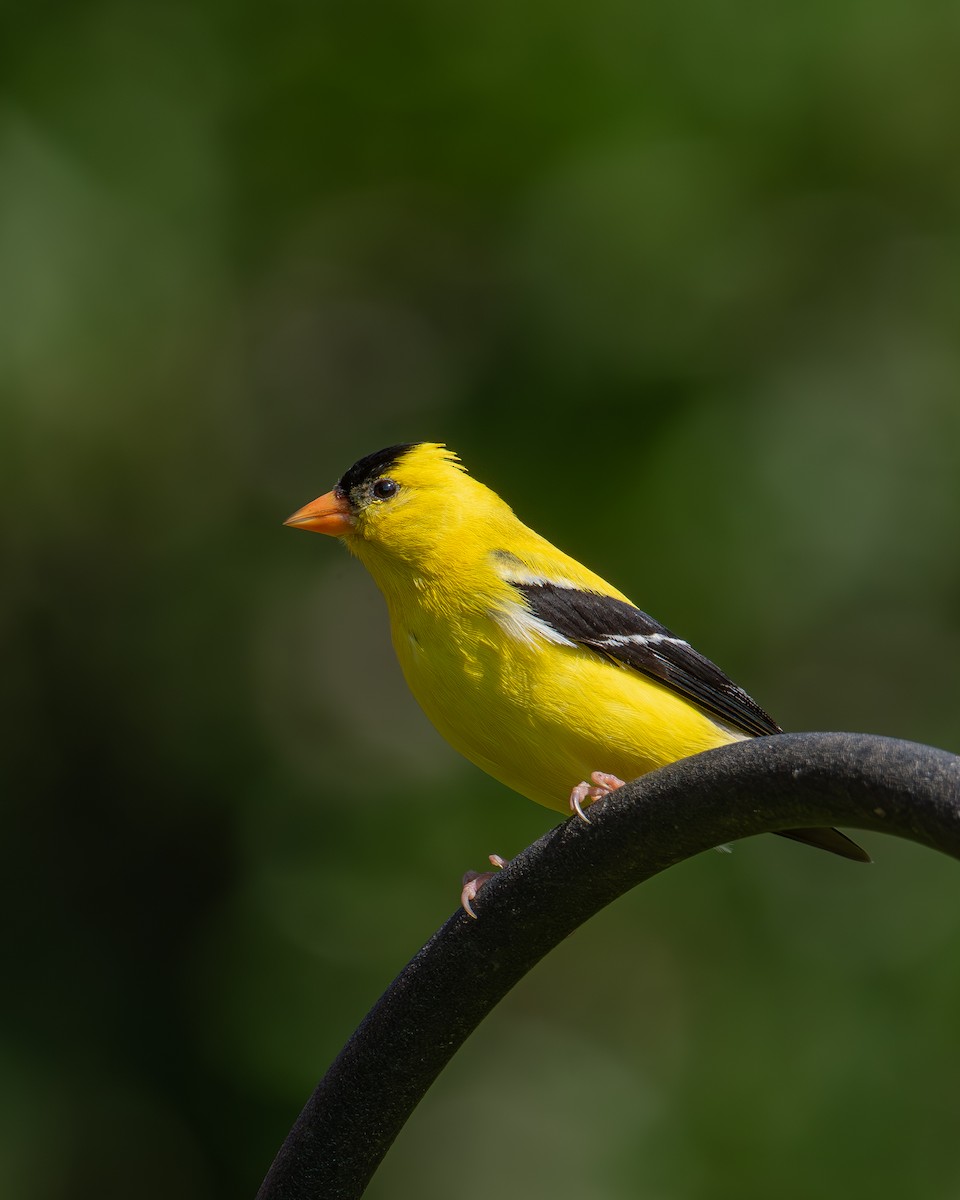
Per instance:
{"type": "Point", "coordinates": [540, 717]}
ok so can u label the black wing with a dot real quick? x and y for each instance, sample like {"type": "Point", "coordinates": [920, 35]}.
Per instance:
{"type": "Point", "coordinates": [626, 635]}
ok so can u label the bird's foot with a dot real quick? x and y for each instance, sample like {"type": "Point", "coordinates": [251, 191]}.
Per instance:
{"type": "Point", "coordinates": [473, 881]}
{"type": "Point", "coordinates": [602, 785]}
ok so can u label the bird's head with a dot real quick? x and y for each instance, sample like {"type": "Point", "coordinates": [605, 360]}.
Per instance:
{"type": "Point", "coordinates": [404, 502]}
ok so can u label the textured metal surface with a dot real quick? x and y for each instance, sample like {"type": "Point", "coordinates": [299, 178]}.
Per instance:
{"type": "Point", "coordinates": [809, 779]}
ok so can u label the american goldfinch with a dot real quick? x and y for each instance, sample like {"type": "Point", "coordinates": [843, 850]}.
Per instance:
{"type": "Point", "coordinates": [529, 664]}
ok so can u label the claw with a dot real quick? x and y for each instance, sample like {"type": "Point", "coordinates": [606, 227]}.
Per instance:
{"type": "Point", "coordinates": [603, 784]}
{"type": "Point", "coordinates": [473, 881]}
{"type": "Point", "coordinates": [577, 797]}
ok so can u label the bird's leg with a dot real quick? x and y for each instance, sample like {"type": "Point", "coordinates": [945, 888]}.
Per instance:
{"type": "Point", "coordinates": [603, 784]}
{"type": "Point", "coordinates": [473, 881]}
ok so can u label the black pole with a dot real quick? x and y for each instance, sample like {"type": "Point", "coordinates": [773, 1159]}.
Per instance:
{"type": "Point", "coordinates": [758, 786]}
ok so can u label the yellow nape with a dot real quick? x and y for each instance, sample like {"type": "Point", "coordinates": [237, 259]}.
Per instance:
{"type": "Point", "coordinates": [446, 526]}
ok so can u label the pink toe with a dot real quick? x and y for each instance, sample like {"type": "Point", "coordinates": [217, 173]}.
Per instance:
{"type": "Point", "coordinates": [609, 783]}
{"type": "Point", "coordinates": [580, 793]}
{"type": "Point", "coordinates": [470, 888]}
{"type": "Point", "coordinates": [473, 881]}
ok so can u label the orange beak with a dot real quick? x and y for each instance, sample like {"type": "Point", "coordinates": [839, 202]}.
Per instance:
{"type": "Point", "coordinates": [328, 514]}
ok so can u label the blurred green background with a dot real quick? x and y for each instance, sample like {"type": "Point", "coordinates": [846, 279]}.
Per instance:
{"type": "Point", "coordinates": [681, 282]}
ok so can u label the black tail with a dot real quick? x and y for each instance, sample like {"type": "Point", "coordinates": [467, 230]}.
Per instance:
{"type": "Point", "coordinates": [828, 839]}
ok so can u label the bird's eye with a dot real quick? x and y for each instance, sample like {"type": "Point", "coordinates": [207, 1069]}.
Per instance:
{"type": "Point", "coordinates": [383, 489]}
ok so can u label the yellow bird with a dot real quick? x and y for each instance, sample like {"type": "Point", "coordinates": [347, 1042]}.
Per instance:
{"type": "Point", "coordinates": [529, 664]}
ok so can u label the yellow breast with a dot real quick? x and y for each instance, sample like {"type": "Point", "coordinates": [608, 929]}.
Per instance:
{"type": "Point", "coordinates": [539, 716]}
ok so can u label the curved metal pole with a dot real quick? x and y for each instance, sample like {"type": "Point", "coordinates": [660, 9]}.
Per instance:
{"type": "Point", "coordinates": [758, 786]}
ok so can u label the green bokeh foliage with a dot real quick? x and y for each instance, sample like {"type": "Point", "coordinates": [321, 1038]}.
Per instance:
{"type": "Point", "coordinates": [680, 281]}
